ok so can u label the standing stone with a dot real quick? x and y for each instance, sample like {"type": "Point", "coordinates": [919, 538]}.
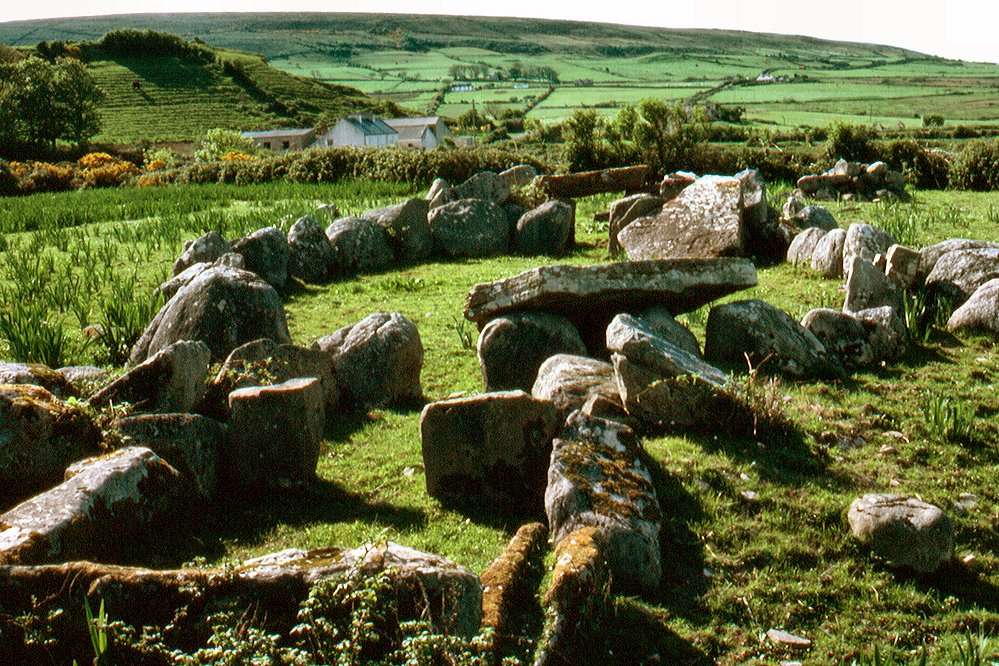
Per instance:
{"type": "Point", "coordinates": [359, 245]}
{"type": "Point", "coordinates": [596, 479]}
{"type": "Point", "coordinates": [827, 257]}
{"type": "Point", "coordinates": [310, 255]}
{"type": "Point", "coordinates": [903, 531]}
{"type": "Point", "coordinates": [470, 228]}
{"type": "Point", "coordinates": [170, 288]}
{"type": "Point", "coordinates": [866, 241]}
{"type": "Point", "coordinates": [704, 220]}
{"type": "Point", "coordinates": [867, 287]}
{"type": "Point", "coordinates": [770, 339]}
{"type": "Point", "coordinates": [568, 381]}
{"type": "Point", "coordinates": [189, 443]}
{"type": "Point", "coordinates": [794, 204]}
{"type": "Point", "coordinates": [625, 211]}
{"type": "Point", "coordinates": [802, 247]}
{"type": "Point", "coordinates": [492, 448]}
{"type": "Point", "coordinates": [275, 434]}
{"type": "Point", "coordinates": [37, 374]}
{"type": "Point", "coordinates": [172, 380]}
{"type": "Point", "coordinates": [377, 360]}
{"type": "Point", "coordinates": [206, 249]}
{"type": "Point", "coordinates": [548, 229]}
{"type": "Point", "coordinates": [902, 266]}
{"type": "Point", "coordinates": [980, 313]}
{"type": "Point", "coordinates": [669, 329]}
{"type": "Point", "coordinates": [511, 348]}
{"type": "Point", "coordinates": [674, 183]}
{"type": "Point", "coordinates": [407, 228]}
{"type": "Point", "coordinates": [440, 193]}
{"type": "Point", "coordinates": [886, 332]}
{"type": "Point", "coordinates": [843, 336]}
{"type": "Point", "coordinates": [487, 186]}
{"type": "Point", "coordinates": [755, 211]}
{"type": "Point", "coordinates": [815, 216]}
{"type": "Point", "coordinates": [104, 505]}
{"type": "Point", "coordinates": [40, 436]}
{"type": "Point", "coordinates": [265, 252]}
{"type": "Point", "coordinates": [223, 307]}
{"type": "Point", "coordinates": [519, 176]}
{"type": "Point", "coordinates": [958, 274]}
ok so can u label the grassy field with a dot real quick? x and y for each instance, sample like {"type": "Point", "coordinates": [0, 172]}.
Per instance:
{"type": "Point", "coordinates": [735, 567]}
{"type": "Point", "coordinates": [406, 59]}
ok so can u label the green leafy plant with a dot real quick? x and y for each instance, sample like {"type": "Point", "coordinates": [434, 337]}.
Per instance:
{"type": "Point", "coordinates": [97, 628]}
{"type": "Point", "coordinates": [461, 328]}
{"type": "Point", "coordinates": [947, 419]}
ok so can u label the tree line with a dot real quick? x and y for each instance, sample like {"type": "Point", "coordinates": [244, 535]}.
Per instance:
{"type": "Point", "coordinates": [517, 71]}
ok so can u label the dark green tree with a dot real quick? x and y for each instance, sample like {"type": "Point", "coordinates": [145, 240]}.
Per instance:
{"type": "Point", "coordinates": [77, 97]}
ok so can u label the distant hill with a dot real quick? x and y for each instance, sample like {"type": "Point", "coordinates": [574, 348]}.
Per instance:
{"type": "Point", "coordinates": [449, 65]}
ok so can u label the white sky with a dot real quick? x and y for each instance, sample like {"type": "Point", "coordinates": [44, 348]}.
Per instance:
{"type": "Point", "coordinates": [964, 29]}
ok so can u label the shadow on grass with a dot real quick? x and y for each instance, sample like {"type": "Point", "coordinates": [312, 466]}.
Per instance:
{"type": "Point", "coordinates": [636, 635]}
{"type": "Point", "coordinates": [954, 579]}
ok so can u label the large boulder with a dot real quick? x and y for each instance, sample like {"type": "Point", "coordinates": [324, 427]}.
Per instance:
{"type": "Point", "coordinates": [669, 329]}
{"type": "Point", "coordinates": [189, 443]}
{"type": "Point", "coordinates": [590, 296]}
{"type": "Point", "coordinates": [408, 229]}
{"type": "Point", "coordinates": [103, 506]}
{"type": "Point", "coordinates": [704, 220]}
{"type": "Point", "coordinates": [492, 448]}
{"type": "Point", "coordinates": [265, 252]}
{"type": "Point", "coordinates": [802, 247]}
{"type": "Point", "coordinates": [625, 211]}
{"type": "Point", "coordinates": [958, 274]}
{"type": "Point", "coordinates": [568, 381]}
{"type": "Point", "coordinates": [929, 256]}
{"type": "Point", "coordinates": [980, 313]}
{"type": "Point", "coordinates": [359, 245]}
{"type": "Point", "coordinates": [815, 216]}
{"type": "Point", "coordinates": [887, 332]}
{"type": "Point", "coordinates": [548, 229]}
{"type": "Point", "coordinates": [206, 249]}
{"type": "Point", "coordinates": [377, 360]}
{"type": "Point", "coordinates": [170, 288]}
{"type": "Point", "coordinates": [37, 374]}
{"type": "Point", "coordinates": [868, 287]}
{"type": "Point", "coordinates": [843, 336]}
{"type": "Point", "coordinates": [866, 241]}
{"type": "Point", "coordinates": [310, 255]}
{"type": "Point", "coordinates": [596, 479]}
{"type": "Point", "coordinates": [40, 436]}
{"type": "Point", "coordinates": [768, 338]}
{"type": "Point", "coordinates": [511, 348]}
{"type": "Point", "coordinates": [275, 433]}
{"type": "Point", "coordinates": [487, 186]}
{"type": "Point", "coordinates": [470, 228]}
{"type": "Point", "coordinates": [172, 380]}
{"type": "Point", "coordinates": [519, 176]}
{"type": "Point", "coordinates": [903, 531]}
{"type": "Point", "coordinates": [827, 257]}
{"type": "Point", "coordinates": [223, 307]}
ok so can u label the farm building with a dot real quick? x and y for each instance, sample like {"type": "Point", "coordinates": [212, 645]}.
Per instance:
{"type": "Point", "coordinates": [282, 140]}
{"type": "Point", "coordinates": [426, 133]}
{"type": "Point", "coordinates": [360, 131]}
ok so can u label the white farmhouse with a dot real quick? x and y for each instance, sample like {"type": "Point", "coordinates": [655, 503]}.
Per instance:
{"type": "Point", "coordinates": [359, 131]}
{"type": "Point", "coordinates": [422, 133]}
{"type": "Point", "coordinates": [279, 141]}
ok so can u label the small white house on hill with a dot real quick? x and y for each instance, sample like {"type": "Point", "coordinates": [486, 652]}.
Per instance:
{"type": "Point", "coordinates": [360, 131]}
{"type": "Point", "coordinates": [426, 133]}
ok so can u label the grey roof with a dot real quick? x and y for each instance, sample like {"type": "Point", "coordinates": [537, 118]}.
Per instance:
{"type": "Point", "coordinates": [414, 133]}
{"type": "Point", "coordinates": [413, 122]}
{"type": "Point", "coordinates": [279, 134]}
{"type": "Point", "coordinates": [370, 125]}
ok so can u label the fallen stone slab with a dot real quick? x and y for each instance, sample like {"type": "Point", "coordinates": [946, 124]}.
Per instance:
{"type": "Point", "coordinates": [980, 313]}
{"type": "Point", "coordinates": [422, 586]}
{"type": "Point", "coordinates": [929, 256]}
{"type": "Point", "coordinates": [37, 374]}
{"type": "Point", "coordinates": [104, 504]}
{"type": "Point", "coordinates": [275, 433]}
{"type": "Point", "coordinates": [511, 581]}
{"type": "Point", "coordinates": [843, 335]}
{"type": "Point", "coordinates": [512, 347]}
{"type": "Point", "coordinates": [588, 183]}
{"type": "Point", "coordinates": [596, 479]}
{"type": "Point", "coordinates": [172, 380]}
{"type": "Point", "coordinates": [492, 448]}
{"type": "Point", "coordinates": [590, 296]}
{"type": "Point", "coordinates": [815, 216]}
{"type": "Point", "coordinates": [40, 436]}
{"type": "Point", "coordinates": [903, 531]}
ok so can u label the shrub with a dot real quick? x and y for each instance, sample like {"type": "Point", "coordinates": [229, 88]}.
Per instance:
{"type": "Point", "coordinates": [852, 142]}
{"type": "Point", "coordinates": [923, 167]}
{"type": "Point", "coordinates": [977, 166]}
{"type": "Point", "coordinates": [8, 182]}
{"type": "Point", "coordinates": [103, 170]}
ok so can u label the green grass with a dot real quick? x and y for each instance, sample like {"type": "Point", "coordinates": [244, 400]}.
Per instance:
{"type": "Point", "coordinates": [734, 568]}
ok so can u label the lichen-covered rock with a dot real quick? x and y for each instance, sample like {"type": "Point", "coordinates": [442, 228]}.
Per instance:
{"type": "Point", "coordinates": [704, 220]}
{"type": "Point", "coordinates": [548, 229]}
{"type": "Point", "coordinates": [673, 183]}
{"type": "Point", "coordinates": [827, 257]}
{"type": "Point", "coordinates": [310, 255]}
{"type": "Point", "coordinates": [520, 175]}
{"type": "Point", "coordinates": [264, 362]}
{"type": "Point", "coordinates": [172, 380]}
{"type": "Point", "coordinates": [815, 216]}
{"type": "Point", "coordinates": [189, 443]}
{"type": "Point", "coordinates": [802, 247]}
{"type": "Point", "coordinates": [377, 360]}
{"type": "Point", "coordinates": [980, 313]}
{"type": "Point", "coordinates": [669, 329]}
{"type": "Point", "coordinates": [887, 334]}
{"type": "Point", "coordinates": [170, 288]}
{"type": "Point", "coordinates": [868, 287]}
{"type": "Point", "coordinates": [768, 338]}
{"type": "Point", "coordinates": [596, 479]}
{"type": "Point", "coordinates": [958, 274]}
{"type": "Point", "coordinates": [40, 436]}
{"type": "Point", "coordinates": [82, 375]}
{"type": "Point", "coordinates": [511, 581]}
{"type": "Point", "coordinates": [469, 228]}
{"type": "Point", "coordinates": [265, 252]}
{"type": "Point", "coordinates": [625, 211]}
{"type": "Point", "coordinates": [866, 241]}
{"type": "Point", "coordinates": [407, 228]}
{"type": "Point", "coordinates": [103, 505]}
{"type": "Point", "coordinates": [903, 531]}
{"type": "Point", "coordinates": [206, 249]}
{"type": "Point", "coordinates": [568, 381]}
{"type": "Point", "coordinates": [902, 266]}
{"type": "Point", "coordinates": [223, 307]}
{"type": "Point", "coordinates": [491, 448]}
{"type": "Point", "coordinates": [487, 186]}
{"type": "Point", "coordinates": [511, 348]}
{"type": "Point", "coordinates": [358, 245]}
{"type": "Point", "coordinates": [929, 256]}
{"type": "Point", "coordinates": [275, 433]}
{"type": "Point", "coordinates": [843, 336]}
{"type": "Point", "coordinates": [440, 193]}
{"type": "Point", "coordinates": [37, 374]}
